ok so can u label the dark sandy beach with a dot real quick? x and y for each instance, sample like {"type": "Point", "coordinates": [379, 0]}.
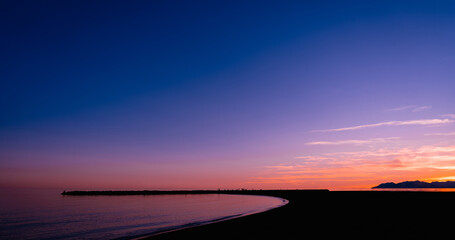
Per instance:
{"type": "Point", "coordinates": [338, 215]}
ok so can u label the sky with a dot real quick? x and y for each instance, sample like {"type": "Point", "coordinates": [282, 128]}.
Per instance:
{"type": "Point", "coordinates": [226, 94]}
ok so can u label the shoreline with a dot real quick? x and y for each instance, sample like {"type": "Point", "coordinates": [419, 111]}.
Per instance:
{"type": "Point", "coordinates": [324, 214]}
{"type": "Point", "coordinates": [337, 214]}
{"type": "Point", "coordinates": [198, 224]}
{"type": "Point", "coordinates": [170, 229]}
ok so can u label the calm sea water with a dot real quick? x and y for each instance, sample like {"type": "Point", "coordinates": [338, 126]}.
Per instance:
{"type": "Point", "coordinates": [45, 214]}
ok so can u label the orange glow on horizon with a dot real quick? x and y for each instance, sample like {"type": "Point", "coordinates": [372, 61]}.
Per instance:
{"type": "Point", "coordinates": [364, 169]}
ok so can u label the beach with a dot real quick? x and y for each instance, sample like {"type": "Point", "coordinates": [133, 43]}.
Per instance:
{"type": "Point", "coordinates": [336, 215]}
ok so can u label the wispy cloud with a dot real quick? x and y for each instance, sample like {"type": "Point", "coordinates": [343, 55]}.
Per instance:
{"type": "Point", "coordinates": [449, 115]}
{"type": "Point", "coordinates": [391, 123]}
{"type": "Point", "coordinates": [441, 134]}
{"type": "Point", "coordinates": [421, 108]}
{"type": "Point", "coordinates": [400, 108]}
{"type": "Point", "coordinates": [353, 142]}
{"type": "Point", "coordinates": [412, 108]}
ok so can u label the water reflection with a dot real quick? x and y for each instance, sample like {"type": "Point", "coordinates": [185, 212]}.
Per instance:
{"type": "Point", "coordinates": [46, 214]}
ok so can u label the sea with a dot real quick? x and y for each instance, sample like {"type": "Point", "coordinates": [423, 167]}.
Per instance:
{"type": "Point", "coordinates": [46, 214]}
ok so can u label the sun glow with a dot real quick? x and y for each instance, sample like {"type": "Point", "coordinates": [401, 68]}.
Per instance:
{"type": "Point", "coordinates": [440, 179]}
{"type": "Point", "coordinates": [349, 169]}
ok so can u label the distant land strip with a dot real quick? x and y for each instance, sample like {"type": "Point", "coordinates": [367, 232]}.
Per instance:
{"type": "Point", "coordinates": [159, 192]}
{"type": "Point", "coordinates": [417, 184]}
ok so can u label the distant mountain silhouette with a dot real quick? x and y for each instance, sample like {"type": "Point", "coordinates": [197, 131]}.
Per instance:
{"type": "Point", "coordinates": [417, 184]}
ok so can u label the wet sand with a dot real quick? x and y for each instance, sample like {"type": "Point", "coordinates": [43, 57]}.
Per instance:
{"type": "Point", "coordinates": [336, 215]}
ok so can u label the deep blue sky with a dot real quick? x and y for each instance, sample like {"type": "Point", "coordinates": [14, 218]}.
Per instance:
{"type": "Point", "coordinates": [64, 57]}
{"type": "Point", "coordinates": [214, 81]}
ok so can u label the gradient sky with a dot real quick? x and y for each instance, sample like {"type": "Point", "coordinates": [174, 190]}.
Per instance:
{"type": "Point", "coordinates": [226, 94]}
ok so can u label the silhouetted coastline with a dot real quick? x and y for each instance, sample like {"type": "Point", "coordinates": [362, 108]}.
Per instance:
{"type": "Point", "coordinates": [324, 214]}
{"type": "Point", "coordinates": [170, 192]}
{"type": "Point", "coordinates": [417, 184]}
{"type": "Point", "coordinates": [337, 215]}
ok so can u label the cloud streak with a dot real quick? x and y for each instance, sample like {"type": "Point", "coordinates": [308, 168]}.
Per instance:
{"type": "Point", "coordinates": [441, 134]}
{"type": "Point", "coordinates": [391, 123]}
{"type": "Point", "coordinates": [413, 108]}
{"type": "Point", "coordinates": [354, 142]}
